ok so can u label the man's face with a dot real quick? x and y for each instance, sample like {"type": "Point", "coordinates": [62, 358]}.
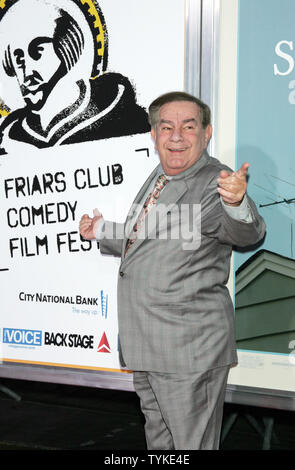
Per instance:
{"type": "Point", "coordinates": [35, 65]}
{"type": "Point", "coordinates": [179, 137]}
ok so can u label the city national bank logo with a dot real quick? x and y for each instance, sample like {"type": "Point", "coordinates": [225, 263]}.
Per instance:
{"type": "Point", "coordinates": [104, 304]}
{"type": "Point", "coordinates": [17, 337]}
{"type": "Point", "coordinates": [99, 304]}
{"type": "Point", "coordinates": [104, 346]}
{"type": "Point", "coordinates": [58, 299]}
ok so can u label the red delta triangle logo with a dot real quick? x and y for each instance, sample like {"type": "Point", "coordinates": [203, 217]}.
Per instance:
{"type": "Point", "coordinates": [104, 346]}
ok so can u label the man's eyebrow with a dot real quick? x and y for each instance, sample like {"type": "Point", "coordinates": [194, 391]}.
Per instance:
{"type": "Point", "coordinates": [189, 120]}
{"type": "Point", "coordinates": [165, 121]}
{"type": "Point", "coordinates": [18, 52]}
{"type": "Point", "coordinates": [37, 42]}
{"type": "Point", "coordinates": [185, 121]}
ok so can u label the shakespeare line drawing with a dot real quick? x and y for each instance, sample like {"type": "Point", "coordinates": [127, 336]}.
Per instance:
{"type": "Point", "coordinates": [53, 58]}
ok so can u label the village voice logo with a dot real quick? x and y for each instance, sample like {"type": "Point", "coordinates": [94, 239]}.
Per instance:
{"type": "Point", "coordinates": [22, 337]}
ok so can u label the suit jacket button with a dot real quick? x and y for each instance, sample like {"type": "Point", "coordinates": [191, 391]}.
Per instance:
{"type": "Point", "coordinates": [121, 273]}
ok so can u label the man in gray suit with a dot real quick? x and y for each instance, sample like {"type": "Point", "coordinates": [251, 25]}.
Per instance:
{"type": "Point", "coordinates": [176, 324]}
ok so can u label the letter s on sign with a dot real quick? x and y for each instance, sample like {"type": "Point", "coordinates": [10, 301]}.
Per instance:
{"type": "Point", "coordinates": [284, 56]}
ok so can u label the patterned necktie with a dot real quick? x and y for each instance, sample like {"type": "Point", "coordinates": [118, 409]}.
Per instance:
{"type": "Point", "coordinates": [148, 205]}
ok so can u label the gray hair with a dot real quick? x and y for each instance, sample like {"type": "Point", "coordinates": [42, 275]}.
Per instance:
{"type": "Point", "coordinates": [154, 108]}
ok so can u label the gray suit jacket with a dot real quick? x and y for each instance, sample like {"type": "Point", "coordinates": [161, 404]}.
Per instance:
{"type": "Point", "coordinates": [175, 313]}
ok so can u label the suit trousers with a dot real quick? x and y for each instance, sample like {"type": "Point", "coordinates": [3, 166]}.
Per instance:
{"type": "Point", "coordinates": [182, 411]}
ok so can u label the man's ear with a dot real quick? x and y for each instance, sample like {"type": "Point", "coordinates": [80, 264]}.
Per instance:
{"type": "Point", "coordinates": [154, 136]}
{"type": "Point", "coordinates": [208, 134]}
{"type": "Point", "coordinates": [153, 133]}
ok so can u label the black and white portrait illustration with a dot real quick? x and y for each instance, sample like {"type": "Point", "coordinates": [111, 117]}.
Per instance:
{"type": "Point", "coordinates": [57, 63]}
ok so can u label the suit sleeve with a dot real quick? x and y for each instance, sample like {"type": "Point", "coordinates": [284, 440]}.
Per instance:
{"type": "Point", "coordinates": [216, 221]}
{"type": "Point", "coordinates": [111, 239]}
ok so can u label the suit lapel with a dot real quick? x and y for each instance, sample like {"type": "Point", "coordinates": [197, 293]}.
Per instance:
{"type": "Point", "coordinates": [169, 197]}
{"type": "Point", "coordinates": [138, 199]}
{"type": "Point", "coordinates": [174, 190]}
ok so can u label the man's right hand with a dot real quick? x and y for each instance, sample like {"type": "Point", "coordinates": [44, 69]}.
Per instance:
{"type": "Point", "coordinates": [88, 226]}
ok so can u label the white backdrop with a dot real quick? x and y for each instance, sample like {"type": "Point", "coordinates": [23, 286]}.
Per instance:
{"type": "Point", "coordinates": [58, 294]}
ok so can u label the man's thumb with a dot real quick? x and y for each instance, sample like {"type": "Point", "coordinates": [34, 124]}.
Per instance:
{"type": "Point", "coordinates": [96, 213]}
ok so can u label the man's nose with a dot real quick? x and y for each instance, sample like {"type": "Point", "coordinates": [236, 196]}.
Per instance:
{"type": "Point", "coordinates": [31, 79]}
{"type": "Point", "coordinates": [29, 69]}
{"type": "Point", "coordinates": [176, 134]}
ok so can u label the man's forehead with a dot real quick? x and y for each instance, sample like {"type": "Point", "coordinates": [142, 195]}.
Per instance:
{"type": "Point", "coordinates": [42, 23]}
{"type": "Point", "coordinates": [179, 110]}
{"type": "Point", "coordinates": [34, 34]}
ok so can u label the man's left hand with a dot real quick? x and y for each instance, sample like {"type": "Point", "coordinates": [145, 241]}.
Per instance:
{"type": "Point", "coordinates": [232, 186]}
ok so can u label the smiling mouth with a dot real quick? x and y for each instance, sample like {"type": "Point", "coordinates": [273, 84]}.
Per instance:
{"type": "Point", "coordinates": [175, 151]}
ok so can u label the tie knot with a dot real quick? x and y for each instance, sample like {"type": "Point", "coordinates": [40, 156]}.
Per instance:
{"type": "Point", "coordinates": [161, 182]}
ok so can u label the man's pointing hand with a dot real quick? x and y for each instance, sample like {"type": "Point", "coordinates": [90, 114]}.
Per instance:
{"type": "Point", "coordinates": [233, 186]}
